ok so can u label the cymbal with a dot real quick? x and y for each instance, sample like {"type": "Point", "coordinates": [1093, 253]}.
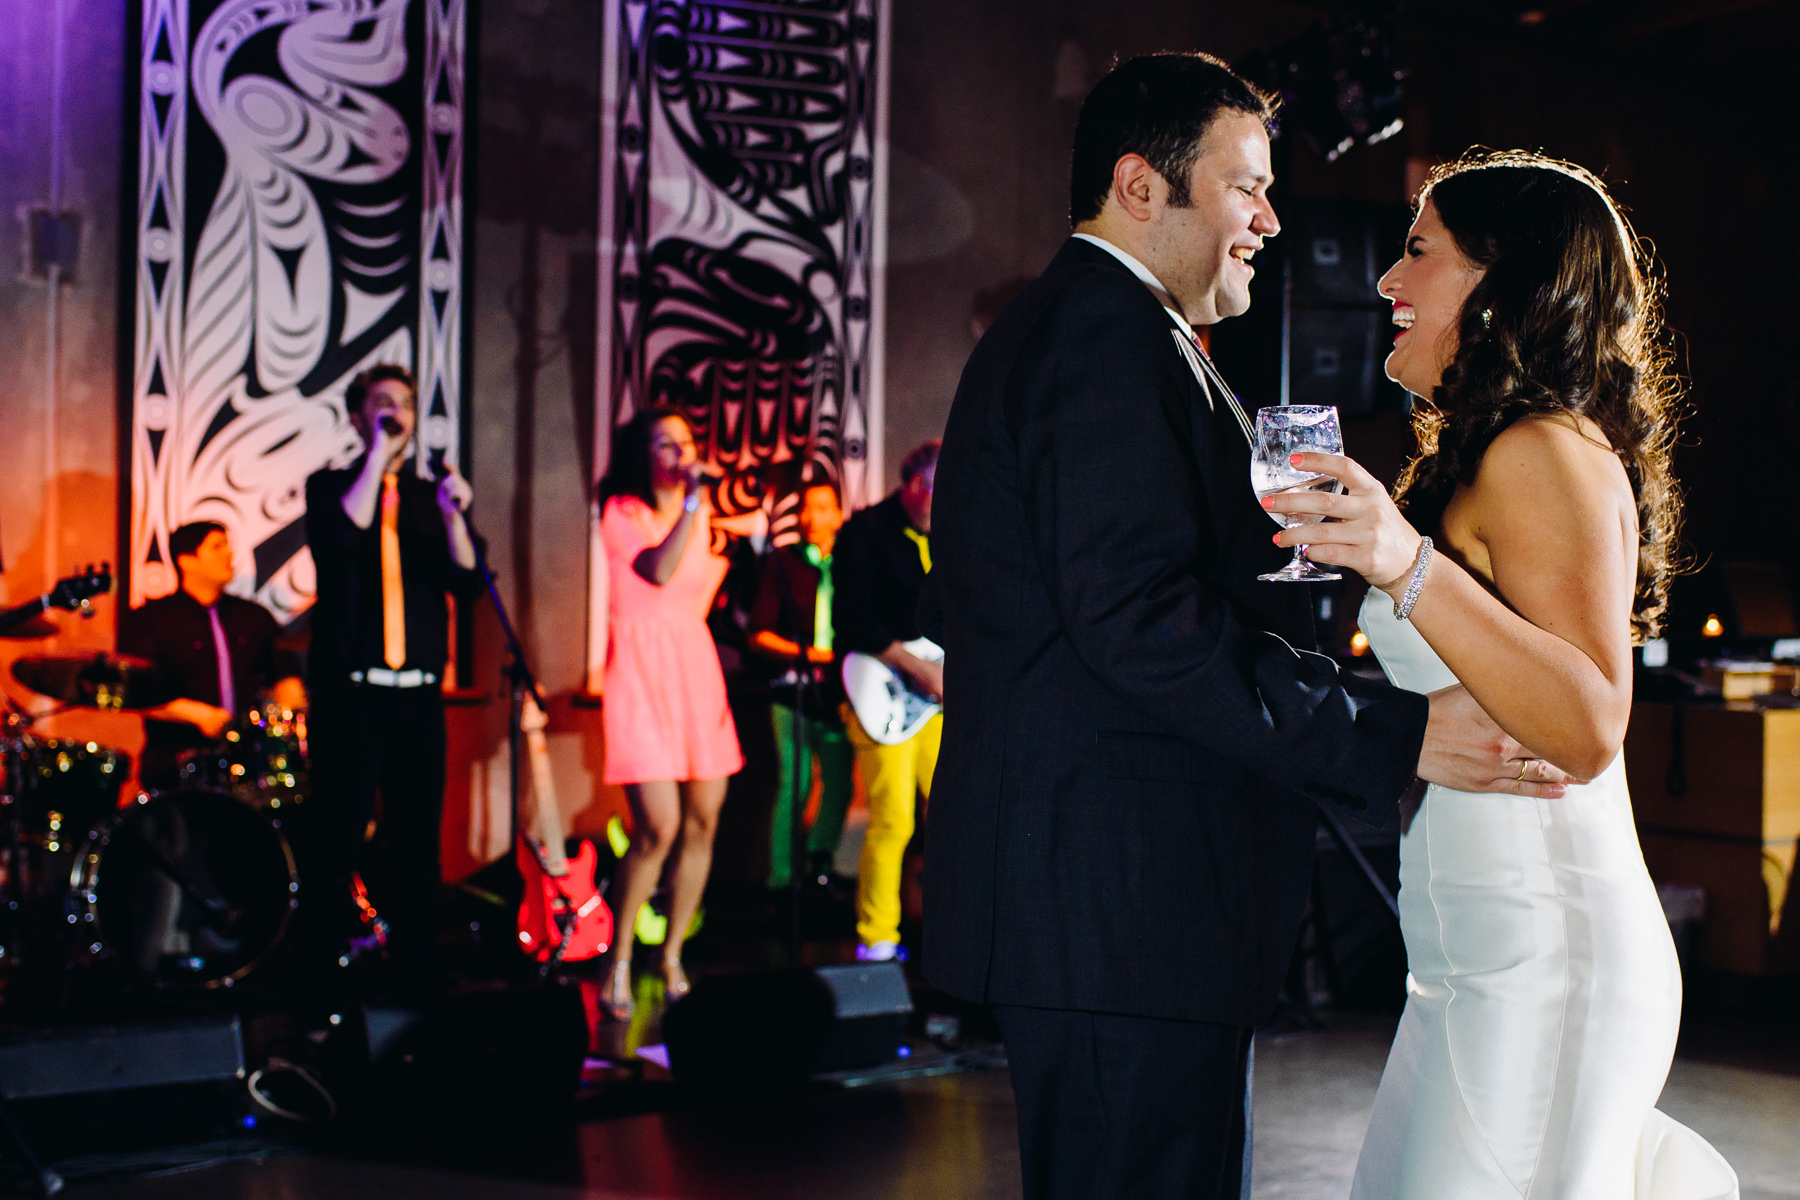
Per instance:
{"type": "Point", "coordinates": [95, 680]}
{"type": "Point", "coordinates": [30, 631]}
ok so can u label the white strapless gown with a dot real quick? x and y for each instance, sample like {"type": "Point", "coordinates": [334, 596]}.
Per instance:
{"type": "Point", "coordinates": [1543, 997]}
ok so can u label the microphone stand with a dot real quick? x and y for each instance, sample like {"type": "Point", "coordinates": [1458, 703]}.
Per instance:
{"type": "Point", "coordinates": [520, 682]}
{"type": "Point", "coordinates": [801, 673]}
{"type": "Point", "coordinates": [12, 794]}
{"type": "Point", "coordinates": [797, 806]}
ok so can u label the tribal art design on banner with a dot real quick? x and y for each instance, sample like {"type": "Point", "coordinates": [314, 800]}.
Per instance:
{"type": "Point", "coordinates": [742, 241]}
{"type": "Point", "coordinates": [299, 219]}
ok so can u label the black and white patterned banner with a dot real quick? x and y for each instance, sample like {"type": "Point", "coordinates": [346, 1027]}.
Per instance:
{"type": "Point", "coordinates": [742, 227]}
{"type": "Point", "coordinates": [300, 217]}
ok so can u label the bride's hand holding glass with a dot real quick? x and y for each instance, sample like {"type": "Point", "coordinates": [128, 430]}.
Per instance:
{"type": "Point", "coordinates": [1365, 532]}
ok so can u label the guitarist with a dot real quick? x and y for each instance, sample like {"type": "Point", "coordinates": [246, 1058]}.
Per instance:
{"type": "Point", "coordinates": [883, 555]}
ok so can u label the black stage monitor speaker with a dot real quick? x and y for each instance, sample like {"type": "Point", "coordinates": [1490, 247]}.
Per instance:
{"type": "Point", "coordinates": [781, 1026]}
{"type": "Point", "coordinates": [465, 1047]}
{"type": "Point", "coordinates": [106, 1058]}
{"type": "Point", "coordinates": [84, 1082]}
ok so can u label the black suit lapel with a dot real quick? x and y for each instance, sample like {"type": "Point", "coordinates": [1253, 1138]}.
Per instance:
{"type": "Point", "coordinates": [1243, 530]}
{"type": "Point", "coordinates": [1240, 530]}
{"type": "Point", "coordinates": [1220, 451]}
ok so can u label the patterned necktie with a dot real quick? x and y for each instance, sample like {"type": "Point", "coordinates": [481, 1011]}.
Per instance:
{"type": "Point", "coordinates": [393, 602]}
{"type": "Point", "coordinates": [221, 648]}
{"type": "Point", "coordinates": [1211, 381]}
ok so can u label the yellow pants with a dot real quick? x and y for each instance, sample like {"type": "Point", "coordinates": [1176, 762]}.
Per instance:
{"type": "Point", "coordinates": [893, 776]}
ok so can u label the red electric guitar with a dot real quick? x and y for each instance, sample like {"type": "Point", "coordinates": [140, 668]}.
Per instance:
{"type": "Point", "coordinates": [561, 901]}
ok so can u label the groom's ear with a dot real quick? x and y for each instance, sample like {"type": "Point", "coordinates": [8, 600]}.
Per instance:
{"type": "Point", "coordinates": [1136, 187]}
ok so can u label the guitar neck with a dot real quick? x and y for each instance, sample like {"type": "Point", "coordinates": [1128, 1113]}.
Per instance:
{"type": "Point", "coordinates": [547, 825]}
{"type": "Point", "coordinates": [24, 613]}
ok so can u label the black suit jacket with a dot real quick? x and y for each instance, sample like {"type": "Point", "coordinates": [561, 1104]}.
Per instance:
{"type": "Point", "coordinates": [346, 619]}
{"type": "Point", "coordinates": [1134, 735]}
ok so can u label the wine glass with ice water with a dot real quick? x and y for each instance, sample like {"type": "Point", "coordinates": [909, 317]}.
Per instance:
{"type": "Point", "coordinates": [1280, 432]}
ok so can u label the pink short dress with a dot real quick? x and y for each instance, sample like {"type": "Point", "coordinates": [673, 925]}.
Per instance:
{"type": "Point", "coordinates": [664, 714]}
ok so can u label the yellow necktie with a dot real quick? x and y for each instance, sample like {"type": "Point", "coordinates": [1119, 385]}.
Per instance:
{"type": "Point", "coordinates": [923, 543]}
{"type": "Point", "coordinates": [393, 603]}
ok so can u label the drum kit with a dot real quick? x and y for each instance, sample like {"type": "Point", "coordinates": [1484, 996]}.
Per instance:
{"type": "Point", "coordinates": [187, 888]}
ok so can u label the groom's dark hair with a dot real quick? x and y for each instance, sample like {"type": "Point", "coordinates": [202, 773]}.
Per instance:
{"type": "Point", "coordinates": [1159, 106]}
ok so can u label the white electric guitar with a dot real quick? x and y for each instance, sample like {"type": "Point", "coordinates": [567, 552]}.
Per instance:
{"type": "Point", "coordinates": [884, 700]}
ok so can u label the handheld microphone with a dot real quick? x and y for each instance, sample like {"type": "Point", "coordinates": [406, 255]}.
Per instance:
{"type": "Point", "coordinates": [390, 425]}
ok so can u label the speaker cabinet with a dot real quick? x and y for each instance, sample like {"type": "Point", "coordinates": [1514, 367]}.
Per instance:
{"type": "Point", "coordinates": [459, 1051]}
{"type": "Point", "coordinates": [1317, 329]}
{"type": "Point", "coordinates": [107, 1058]}
{"type": "Point", "coordinates": [1336, 358]}
{"type": "Point", "coordinates": [781, 1026]}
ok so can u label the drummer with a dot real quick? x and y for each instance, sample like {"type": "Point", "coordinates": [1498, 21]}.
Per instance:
{"type": "Point", "coordinates": [219, 650]}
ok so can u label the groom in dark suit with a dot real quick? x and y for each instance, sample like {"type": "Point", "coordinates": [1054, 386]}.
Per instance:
{"type": "Point", "coordinates": [1135, 732]}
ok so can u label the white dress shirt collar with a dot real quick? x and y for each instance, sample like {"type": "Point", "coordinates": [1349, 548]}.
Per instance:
{"type": "Point", "coordinates": [1145, 277]}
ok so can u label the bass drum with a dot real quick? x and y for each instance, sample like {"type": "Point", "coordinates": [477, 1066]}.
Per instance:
{"type": "Point", "coordinates": [188, 889]}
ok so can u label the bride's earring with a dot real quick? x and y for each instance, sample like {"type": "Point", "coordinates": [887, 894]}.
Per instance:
{"type": "Point", "coordinates": [1487, 317]}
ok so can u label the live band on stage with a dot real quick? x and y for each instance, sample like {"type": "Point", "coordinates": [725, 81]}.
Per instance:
{"type": "Point", "coordinates": [281, 823]}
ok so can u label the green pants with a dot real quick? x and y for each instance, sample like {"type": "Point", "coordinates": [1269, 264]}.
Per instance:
{"type": "Point", "coordinates": [824, 739]}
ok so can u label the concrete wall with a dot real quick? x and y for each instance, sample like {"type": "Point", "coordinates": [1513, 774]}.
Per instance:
{"type": "Point", "coordinates": [59, 475]}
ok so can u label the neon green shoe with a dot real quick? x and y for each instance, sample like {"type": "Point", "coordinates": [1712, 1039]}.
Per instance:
{"type": "Point", "coordinates": [652, 925]}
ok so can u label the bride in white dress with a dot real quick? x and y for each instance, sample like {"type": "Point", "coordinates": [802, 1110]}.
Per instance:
{"type": "Point", "coordinates": [1543, 995]}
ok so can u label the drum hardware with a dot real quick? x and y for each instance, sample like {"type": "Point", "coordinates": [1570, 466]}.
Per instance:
{"type": "Point", "coordinates": [65, 787]}
{"type": "Point", "coordinates": [54, 791]}
{"type": "Point", "coordinates": [188, 889]}
{"type": "Point", "coordinates": [104, 681]}
{"type": "Point", "coordinates": [261, 759]}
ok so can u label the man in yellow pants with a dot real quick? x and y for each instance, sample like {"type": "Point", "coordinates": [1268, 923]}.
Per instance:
{"type": "Point", "coordinates": [883, 554]}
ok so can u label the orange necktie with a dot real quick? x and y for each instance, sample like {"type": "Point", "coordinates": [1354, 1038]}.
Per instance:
{"type": "Point", "coordinates": [393, 603]}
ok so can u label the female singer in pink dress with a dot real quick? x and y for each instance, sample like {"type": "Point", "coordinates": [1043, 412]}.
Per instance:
{"type": "Point", "coordinates": [670, 739]}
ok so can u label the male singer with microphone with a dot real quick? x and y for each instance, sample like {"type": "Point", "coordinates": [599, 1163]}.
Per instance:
{"type": "Point", "coordinates": [388, 545]}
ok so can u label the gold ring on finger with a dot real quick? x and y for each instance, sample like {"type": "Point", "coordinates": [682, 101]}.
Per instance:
{"type": "Point", "coordinates": [1523, 764]}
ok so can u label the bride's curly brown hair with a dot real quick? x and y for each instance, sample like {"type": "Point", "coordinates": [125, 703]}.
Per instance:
{"type": "Point", "coordinates": [1565, 319]}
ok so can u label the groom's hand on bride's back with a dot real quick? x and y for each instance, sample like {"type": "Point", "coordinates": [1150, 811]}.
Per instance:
{"type": "Point", "coordinates": [1465, 750]}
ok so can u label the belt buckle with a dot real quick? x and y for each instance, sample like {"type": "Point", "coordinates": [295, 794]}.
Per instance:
{"type": "Point", "coordinates": [412, 677]}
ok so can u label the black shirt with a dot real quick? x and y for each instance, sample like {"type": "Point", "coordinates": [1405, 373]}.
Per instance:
{"type": "Point", "coordinates": [176, 634]}
{"type": "Point", "coordinates": [787, 593]}
{"type": "Point", "coordinates": [876, 574]}
{"type": "Point", "coordinates": [346, 619]}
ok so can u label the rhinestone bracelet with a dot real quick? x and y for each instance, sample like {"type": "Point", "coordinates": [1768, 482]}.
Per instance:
{"type": "Point", "coordinates": [1404, 605]}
